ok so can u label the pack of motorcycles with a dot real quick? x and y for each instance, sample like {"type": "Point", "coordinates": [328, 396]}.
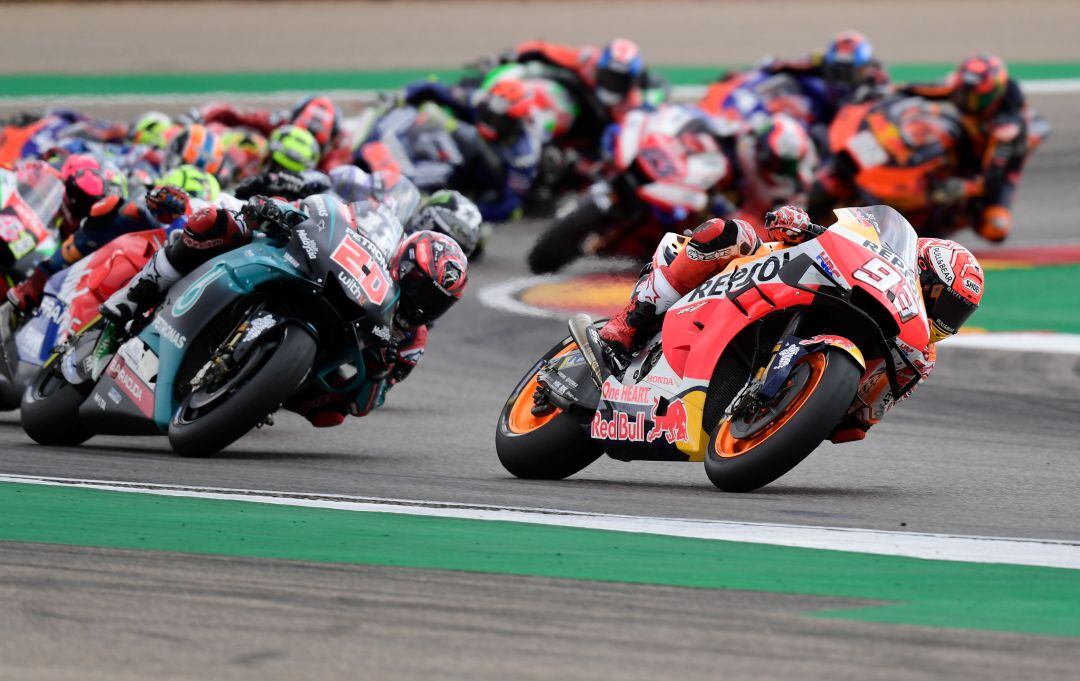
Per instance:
{"type": "Point", "coordinates": [751, 397]}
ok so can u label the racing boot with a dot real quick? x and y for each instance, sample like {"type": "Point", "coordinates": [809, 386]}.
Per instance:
{"type": "Point", "coordinates": [141, 293]}
{"type": "Point", "coordinates": [26, 295]}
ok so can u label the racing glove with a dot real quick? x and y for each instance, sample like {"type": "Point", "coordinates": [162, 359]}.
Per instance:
{"type": "Point", "coordinates": [270, 217]}
{"type": "Point", "coordinates": [790, 225]}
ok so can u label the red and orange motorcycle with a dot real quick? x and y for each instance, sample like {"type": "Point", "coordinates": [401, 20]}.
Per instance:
{"type": "Point", "coordinates": [899, 151]}
{"type": "Point", "coordinates": [749, 372]}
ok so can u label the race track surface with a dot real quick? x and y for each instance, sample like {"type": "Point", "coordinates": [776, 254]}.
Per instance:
{"type": "Point", "coordinates": [986, 447]}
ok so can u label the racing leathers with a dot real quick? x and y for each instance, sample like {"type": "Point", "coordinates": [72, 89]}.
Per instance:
{"type": "Point", "coordinates": [992, 160]}
{"type": "Point", "coordinates": [213, 231]}
{"type": "Point", "coordinates": [712, 247]}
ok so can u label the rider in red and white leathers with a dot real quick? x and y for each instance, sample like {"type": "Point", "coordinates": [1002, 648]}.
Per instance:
{"type": "Point", "coordinates": [950, 276]}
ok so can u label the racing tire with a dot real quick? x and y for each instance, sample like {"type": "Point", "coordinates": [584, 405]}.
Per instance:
{"type": "Point", "coordinates": [562, 243]}
{"type": "Point", "coordinates": [278, 377]}
{"type": "Point", "coordinates": [823, 394]}
{"type": "Point", "coordinates": [50, 410]}
{"type": "Point", "coordinates": [549, 447]}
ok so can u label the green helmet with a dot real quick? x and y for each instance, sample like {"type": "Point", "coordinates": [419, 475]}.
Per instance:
{"type": "Point", "coordinates": [196, 182]}
{"type": "Point", "coordinates": [152, 129]}
{"type": "Point", "coordinates": [293, 148]}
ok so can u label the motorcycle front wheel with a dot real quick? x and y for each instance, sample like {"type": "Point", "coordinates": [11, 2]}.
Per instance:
{"type": "Point", "coordinates": [549, 446]}
{"type": "Point", "coordinates": [751, 450]}
{"type": "Point", "coordinates": [214, 416]}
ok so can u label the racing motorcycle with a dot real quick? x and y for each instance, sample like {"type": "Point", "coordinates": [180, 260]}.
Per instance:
{"type": "Point", "coordinates": [70, 302]}
{"type": "Point", "coordinates": [750, 371]}
{"type": "Point", "coordinates": [898, 151]}
{"type": "Point", "coordinates": [232, 340]}
{"type": "Point", "coordinates": [30, 199]}
{"type": "Point", "coordinates": [660, 178]}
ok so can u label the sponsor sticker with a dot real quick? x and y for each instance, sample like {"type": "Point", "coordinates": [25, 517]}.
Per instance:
{"type": "Point", "coordinates": [168, 332]}
{"type": "Point", "coordinates": [613, 391]}
{"type": "Point", "coordinates": [671, 425]}
{"type": "Point", "coordinates": [619, 427]}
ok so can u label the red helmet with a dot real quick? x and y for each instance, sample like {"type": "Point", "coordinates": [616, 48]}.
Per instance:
{"type": "Point", "coordinates": [505, 110]}
{"type": "Point", "coordinates": [952, 285]}
{"type": "Point", "coordinates": [319, 116]}
{"type": "Point", "coordinates": [979, 84]}
{"type": "Point", "coordinates": [431, 272]}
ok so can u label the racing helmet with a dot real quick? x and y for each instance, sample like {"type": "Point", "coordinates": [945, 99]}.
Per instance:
{"type": "Point", "coordinates": [319, 116]}
{"type": "Point", "coordinates": [76, 162]}
{"type": "Point", "coordinates": [198, 146]}
{"type": "Point", "coordinates": [152, 129]}
{"type": "Point", "coordinates": [979, 84]}
{"type": "Point", "coordinates": [82, 190]}
{"type": "Point", "coordinates": [245, 152]}
{"type": "Point", "coordinates": [848, 61]}
{"type": "Point", "coordinates": [620, 66]}
{"type": "Point", "coordinates": [781, 147]}
{"type": "Point", "coordinates": [952, 285]}
{"type": "Point", "coordinates": [431, 272]}
{"type": "Point", "coordinates": [294, 149]}
{"type": "Point", "coordinates": [167, 202]}
{"type": "Point", "coordinates": [196, 182]}
{"type": "Point", "coordinates": [449, 212]}
{"type": "Point", "coordinates": [504, 111]}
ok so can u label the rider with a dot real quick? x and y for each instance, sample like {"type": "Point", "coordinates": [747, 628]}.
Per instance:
{"type": "Point", "coordinates": [993, 109]}
{"type": "Point", "coordinates": [952, 286]}
{"type": "Point", "coordinates": [776, 162]}
{"type": "Point", "coordinates": [847, 67]}
{"type": "Point", "coordinates": [616, 74]}
{"type": "Point", "coordinates": [430, 270]}
{"type": "Point", "coordinates": [290, 167]}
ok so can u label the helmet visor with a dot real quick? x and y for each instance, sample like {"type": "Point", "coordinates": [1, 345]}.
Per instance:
{"type": "Point", "coordinates": [614, 82]}
{"type": "Point", "coordinates": [422, 301]}
{"type": "Point", "coordinates": [947, 311]}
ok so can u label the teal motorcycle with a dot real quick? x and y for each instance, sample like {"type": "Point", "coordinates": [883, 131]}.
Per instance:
{"type": "Point", "coordinates": [233, 340]}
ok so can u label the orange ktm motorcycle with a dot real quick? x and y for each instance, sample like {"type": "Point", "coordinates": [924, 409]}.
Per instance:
{"type": "Point", "coordinates": [898, 151]}
{"type": "Point", "coordinates": [749, 372]}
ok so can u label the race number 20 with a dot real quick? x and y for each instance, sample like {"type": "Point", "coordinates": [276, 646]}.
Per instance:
{"type": "Point", "coordinates": [354, 259]}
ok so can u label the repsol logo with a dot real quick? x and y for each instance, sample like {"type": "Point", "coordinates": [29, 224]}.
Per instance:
{"type": "Point", "coordinates": [759, 271]}
{"type": "Point", "coordinates": [889, 255]}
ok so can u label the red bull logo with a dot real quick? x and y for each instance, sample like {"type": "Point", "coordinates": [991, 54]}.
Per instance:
{"type": "Point", "coordinates": [671, 425]}
{"type": "Point", "coordinates": [619, 427]}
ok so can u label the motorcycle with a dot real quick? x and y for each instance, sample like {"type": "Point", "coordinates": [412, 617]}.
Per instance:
{"type": "Point", "coordinates": [30, 199]}
{"type": "Point", "coordinates": [749, 372]}
{"type": "Point", "coordinates": [898, 151]}
{"type": "Point", "coordinates": [70, 302]}
{"type": "Point", "coordinates": [232, 340]}
{"type": "Point", "coordinates": [660, 177]}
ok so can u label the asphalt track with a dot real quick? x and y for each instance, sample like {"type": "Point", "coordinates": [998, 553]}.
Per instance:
{"type": "Point", "coordinates": [986, 447]}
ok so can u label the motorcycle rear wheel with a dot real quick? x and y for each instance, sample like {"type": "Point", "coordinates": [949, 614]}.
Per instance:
{"type": "Point", "coordinates": [192, 433]}
{"type": "Point", "coordinates": [550, 446]}
{"type": "Point", "coordinates": [817, 396]}
{"type": "Point", "coordinates": [562, 243]}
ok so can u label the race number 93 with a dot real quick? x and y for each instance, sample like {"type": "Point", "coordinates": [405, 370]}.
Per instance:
{"type": "Point", "coordinates": [878, 274]}
{"type": "Point", "coordinates": [358, 263]}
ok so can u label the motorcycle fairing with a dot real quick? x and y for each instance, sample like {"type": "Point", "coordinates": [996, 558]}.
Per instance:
{"type": "Point", "coordinates": [123, 400]}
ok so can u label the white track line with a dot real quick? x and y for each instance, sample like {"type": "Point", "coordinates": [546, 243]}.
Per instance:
{"type": "Point", "coordinates": [962, 548]}
{"type": "Point", "coordinates": [1055, 343]}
